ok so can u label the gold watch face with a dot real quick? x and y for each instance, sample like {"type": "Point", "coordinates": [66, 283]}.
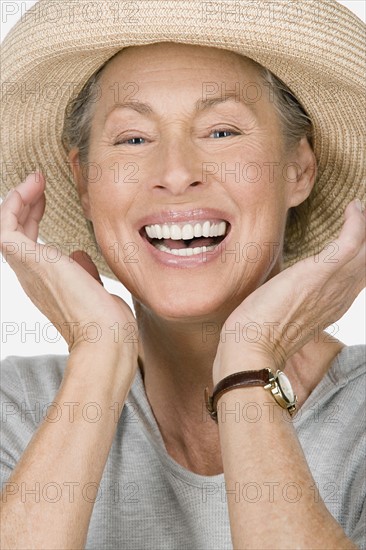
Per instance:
{"type": "Point", "coordinates": [286, 387]}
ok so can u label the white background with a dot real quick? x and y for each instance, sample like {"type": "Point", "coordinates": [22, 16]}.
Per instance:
{"type": "Point", "coordinates": [18, 314]}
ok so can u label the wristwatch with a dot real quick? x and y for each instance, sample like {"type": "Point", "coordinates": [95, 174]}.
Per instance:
{"type": "Point", "coordinates": [277, 384]}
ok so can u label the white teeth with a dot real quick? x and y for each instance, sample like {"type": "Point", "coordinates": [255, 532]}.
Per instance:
{"type": "Point", "coordinates": [222, 228]}
{"type": "Point", "coordinates": [158, 231]}
{"type": "Point", "coordinates": [166, 232]}
{"type": "Point", "coordinates": [185, 251]}
{"type": "Point", "coordinates": [175, 233]}
{"type": "Point", "coordinates": [197, 230]}
{"type": "Point", "coordinates": [186, 231]}
{"type": "Point", "coordinates": [206, 229]}
{"type": "Point", "coordinates": [150, 231]}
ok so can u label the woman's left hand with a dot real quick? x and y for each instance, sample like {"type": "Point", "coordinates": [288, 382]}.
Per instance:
{"type": "Point", "coordinates": [280, 316]}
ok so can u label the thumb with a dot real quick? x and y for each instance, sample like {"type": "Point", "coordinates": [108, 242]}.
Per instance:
{"type": "Point", "coordinates": [84, 260]}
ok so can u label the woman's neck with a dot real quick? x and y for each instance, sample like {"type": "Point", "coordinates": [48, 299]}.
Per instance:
{"type": "Point", "coordinates": [176, 361]}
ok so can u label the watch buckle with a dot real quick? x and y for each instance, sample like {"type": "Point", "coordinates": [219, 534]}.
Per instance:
{"type": "Point", "coordinates": [209, 404]}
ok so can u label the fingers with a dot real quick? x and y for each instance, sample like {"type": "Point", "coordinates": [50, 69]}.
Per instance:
{"type": "Point", "coordinates": [35, 214]}
{"type": "Point", "coordinates": [11, 208]}
{"type": "Point", "coordinates": [353, 234]}
{"type": "Point", "coordinates": [351, 241]}
{"type": "Point", "coordinates": [31, 188]}
{"type": "Point", "coordinates": [23, 208]}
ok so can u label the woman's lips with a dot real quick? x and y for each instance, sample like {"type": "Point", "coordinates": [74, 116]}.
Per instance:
{"type": "Point", "coordinates": [200, 251]}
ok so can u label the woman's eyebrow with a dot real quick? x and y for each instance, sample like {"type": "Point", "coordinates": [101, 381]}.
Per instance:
{"type": "Point", "coordinates": [204, 104]}
{"type": "Point", "coordinates": [200, 105]}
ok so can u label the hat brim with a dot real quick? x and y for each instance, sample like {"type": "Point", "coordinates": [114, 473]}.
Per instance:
{"type": "Point", "coordinates": [317, 48]}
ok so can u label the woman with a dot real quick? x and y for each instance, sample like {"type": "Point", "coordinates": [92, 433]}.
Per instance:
{"type": "Point", "coordinates": [169, 152]}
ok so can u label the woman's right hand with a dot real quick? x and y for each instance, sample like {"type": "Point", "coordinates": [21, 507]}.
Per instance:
{"type": "Point", "coordinates": [68, 291]}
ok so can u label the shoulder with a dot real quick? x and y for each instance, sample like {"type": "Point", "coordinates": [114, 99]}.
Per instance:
{"type": "Point", "coordinates": [332, 434]}
{"type": "Point", "coordinates": [27, 386]}
{"type": "Point", "coordinates": [39, 375]}
{"type": "Point", "coordinates": [349, 365]}
{"type": "Point", "coordinates": [346, 379]}
{"type": "Point", "coordinates": [340, 394]}
{"type": "Point", "coordinates": [352, 360]}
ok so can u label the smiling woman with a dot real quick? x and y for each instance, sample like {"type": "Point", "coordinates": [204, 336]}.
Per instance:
{"type": "Point", "coordinates": [217, 152]}
{"type": "Point", "coordinates": [296, 124]}
{"type": "Point", "coordinates": [175, 138]}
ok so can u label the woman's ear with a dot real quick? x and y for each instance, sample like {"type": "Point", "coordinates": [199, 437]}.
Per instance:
{"type": "Point", "coordinates": [301, 173]}
{"type": "Point", "coordinates": [80, 181]}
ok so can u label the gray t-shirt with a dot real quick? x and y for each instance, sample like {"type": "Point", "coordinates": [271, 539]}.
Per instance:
{"type": "Point", "coordinates": [146, 500]}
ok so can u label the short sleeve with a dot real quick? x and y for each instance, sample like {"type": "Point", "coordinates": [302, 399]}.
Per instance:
{"type": "Point", "coordinates": [359, 534]}
{"type": "Point", "coordinates": [16, 429]}
{"type": "Point", "coordinates": [27, 386]}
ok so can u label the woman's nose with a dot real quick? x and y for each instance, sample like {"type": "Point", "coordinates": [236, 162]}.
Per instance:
{"type": "Point", "coordinates": [178, 166]}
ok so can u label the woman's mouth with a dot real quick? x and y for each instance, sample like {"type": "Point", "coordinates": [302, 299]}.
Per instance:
{"type": "Point", "coordinates": [186, 239]}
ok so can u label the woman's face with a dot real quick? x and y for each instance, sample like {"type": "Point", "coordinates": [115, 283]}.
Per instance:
{"type": "Point", "coordinates": [178, 154]}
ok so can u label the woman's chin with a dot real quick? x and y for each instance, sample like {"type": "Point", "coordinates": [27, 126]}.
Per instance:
{"type": "Point", "coordinates": [183, 306]}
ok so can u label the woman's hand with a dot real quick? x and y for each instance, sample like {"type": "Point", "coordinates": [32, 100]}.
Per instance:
{"type": "Point", "coordinates": [280, 317]}
{"type": "Point", "coordinates": [68, 291]}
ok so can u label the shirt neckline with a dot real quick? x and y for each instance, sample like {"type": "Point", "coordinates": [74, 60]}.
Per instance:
{"type": "Point", "coordinates": [334, 376]}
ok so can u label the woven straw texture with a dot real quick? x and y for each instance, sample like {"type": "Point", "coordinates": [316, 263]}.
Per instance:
{"type": "Point", "coordinates": [317, 47]}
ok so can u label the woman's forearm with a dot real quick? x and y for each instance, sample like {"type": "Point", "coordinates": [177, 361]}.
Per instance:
{"type": "Point", "coordinates": [70, 453]}
{"type": "Point", "coordinates": [271, 494]}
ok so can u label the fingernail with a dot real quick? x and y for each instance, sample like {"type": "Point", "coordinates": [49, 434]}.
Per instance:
{"type": "Point", "coordinates": [9, 193]}
{"type": "Point", "coordinates": [358, 204]}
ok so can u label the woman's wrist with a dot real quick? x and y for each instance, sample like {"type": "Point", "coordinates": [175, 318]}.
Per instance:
{"type": "Point", "coordinates": [114, 365]}
{"type": "Point", "coordinates": [232, 361]}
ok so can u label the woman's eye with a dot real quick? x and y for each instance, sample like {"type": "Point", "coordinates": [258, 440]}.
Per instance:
{"type": "Point", "coordinates": [129, 141]}
{"type": "Point", "coordinates": [218, 132]}
{"type": "Point", "coordinates": [223, 132]}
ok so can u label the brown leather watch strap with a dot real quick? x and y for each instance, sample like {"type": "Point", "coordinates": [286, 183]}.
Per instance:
{"type": "Point", "coordinates": [236, 380]}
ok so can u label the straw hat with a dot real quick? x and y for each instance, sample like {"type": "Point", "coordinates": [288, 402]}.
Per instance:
{"type": "Point", "coordinates": [317, 47]}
